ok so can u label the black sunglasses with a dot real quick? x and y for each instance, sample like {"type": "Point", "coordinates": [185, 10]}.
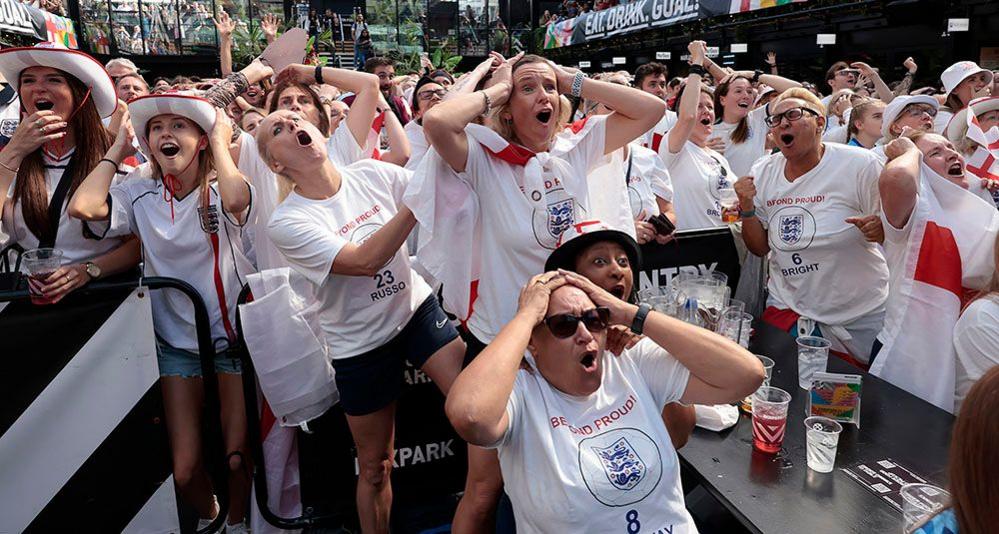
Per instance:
{"type": "Point", "coordinates": [563, 325]}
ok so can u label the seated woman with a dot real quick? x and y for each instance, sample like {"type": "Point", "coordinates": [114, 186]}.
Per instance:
{"type": "Point", "coordinates": [974, 449]}
{"type": "Point", "coordinates": [611, 259]}
{"type": "Point", "coordinates": [581, 430]}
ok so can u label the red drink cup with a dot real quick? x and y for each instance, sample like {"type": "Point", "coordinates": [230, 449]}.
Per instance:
{"type": "Point", "coordinates": [769, 418]}
{"type": "Point", "coordinates": [39, 264]}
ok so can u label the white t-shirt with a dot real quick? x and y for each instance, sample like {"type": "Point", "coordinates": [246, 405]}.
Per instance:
{"type": "Point", "coordinates": [837, 134]}
{"type": "Point", "coordinates": [342, 149]}
{"type": "Point", "coordinates": [418, 144]}
{"type": "Point", "coordinates": [895, 249]}
{"type": "Point", "coordinates": [70, 238]}
{"type": "Point", "coordinates": [698, 174]}
{"type": "Point", "coordinates": [657, 135]}
{"type": "Point", "coordinates": [820, 265]}
{"type": "Point", "coordinates": [941, 121]}
{"type": "Point", "coordinates": [976, 336]}
{"type": "Point", "coordinates": [648, 179]}
{"type": "Point", "coordinates": [601, 463]}
{"type": "Point", "coordinates": [516, 238]}
{"type": "Point", "coordinates": [741, 156]}
{"type": "Point", "coordinates": [179, 248]}
{"type": "Point", "coordinates": [358, 313]}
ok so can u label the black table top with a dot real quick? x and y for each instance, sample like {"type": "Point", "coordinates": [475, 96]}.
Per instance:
{"type": "Point", "coordinates": [779, 494]}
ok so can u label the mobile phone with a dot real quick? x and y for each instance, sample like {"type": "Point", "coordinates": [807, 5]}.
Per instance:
{"type": "Point", "coordinates": [662, 224]}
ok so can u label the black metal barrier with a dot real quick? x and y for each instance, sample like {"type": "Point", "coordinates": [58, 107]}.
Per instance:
{"type": "Point", "coordinates": [119, 287]}
{"type": "Point", "coordinates": [430, 459]}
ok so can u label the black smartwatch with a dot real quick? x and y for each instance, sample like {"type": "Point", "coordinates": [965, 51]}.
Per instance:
{"type": "Point", "coordinates": [319, 75]}
{"type": "Point", "coordinates": [638, 324]}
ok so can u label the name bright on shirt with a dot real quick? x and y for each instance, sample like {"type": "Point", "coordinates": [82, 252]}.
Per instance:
{"type": "Point", "coordinates": [603, 421]}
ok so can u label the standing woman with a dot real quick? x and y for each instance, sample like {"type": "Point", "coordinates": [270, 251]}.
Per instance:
{"type": "Point", "coordinates": [344, 228]}
{"type": "Point", "coordinates": [801, 206]}
{"type": "Point", "coordinates": [530, 178]}
{"type": "Point", "coordinates": [698, 172]}
{"type": "Point", "coordinates": [742, 128]}
{"type": "Point", "coordinates": [864, 130]}
{"type": "Point", "coordinates": [188, 206]}
{"type": "Point", "coordinates": [64, 94]}
{"type": "Point", "coordinates": [963, 82]}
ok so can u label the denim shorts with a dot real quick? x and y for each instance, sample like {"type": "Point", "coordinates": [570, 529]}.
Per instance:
{"type": "Point", "coordinates": [187, 364]}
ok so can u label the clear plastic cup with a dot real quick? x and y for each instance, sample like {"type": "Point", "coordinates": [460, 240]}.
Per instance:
{"type": "Point", "coordinates": [769, 418]}
{"type": "Point", "coordinates": [728, 199]}
{"type": "Point", "coordinates": [920, 501]}
{"type": "Point", "coordinates": [736, 326]}
{"type": "Point", "coordinates": [39, 263]}
{"type": "Point", "coordinates": [768, 366]}
{"type": "Point", "coordinates": [821, 438]}
{"type": "Point", "coordinates": [813, 355]}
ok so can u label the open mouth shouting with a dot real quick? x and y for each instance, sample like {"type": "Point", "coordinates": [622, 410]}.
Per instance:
{"type": "Point", "coordinates": [956, 169]}
{"type": "Point", "coordinates": [618, 291]}
{"type": "Point", "coordinates": [169, 149]}
{"type": "Point", "coordinates": [44, 104]}
{"type": "Point", "coordinates": [589, 361]}
{"type": "Point", "coordinates": [786, 140]}
{"type": "Point", "coordinates": [744, 104]}
{"type": "Point", "coordinates": [544, 116]}
{"type": "Point", "coordinates": [304, 139]}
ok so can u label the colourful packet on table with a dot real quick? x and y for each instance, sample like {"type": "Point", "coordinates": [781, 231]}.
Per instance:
{"type": "Point", "coordinates": [836, 396]}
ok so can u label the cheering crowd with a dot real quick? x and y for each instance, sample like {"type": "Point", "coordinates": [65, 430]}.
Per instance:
{"type": "Point", "coordinates": [516, 198]}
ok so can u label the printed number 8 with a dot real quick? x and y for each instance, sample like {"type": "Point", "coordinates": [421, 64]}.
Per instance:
{"type": "Point", "coordinates": [634, 525]}
{"type": "Point", "coordinates": [796, 258]}
{"type": "Point", "coordinates": [383, 279]}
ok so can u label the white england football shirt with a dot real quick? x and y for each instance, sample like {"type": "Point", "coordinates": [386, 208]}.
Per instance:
{"type": "Point", "coordinates": [516, 237]}
{"type": "Point", "coordinates": [741, 156]}
{"type": "Point", "coordinates": [656, 137]}
{"type": "Point", "coordinates": [648, 179]}
{"type": "Point", "coordinates": [600, 463]}
{"type": "Point", "coordinates": [358, 313]}
{"type": "Point", "coordinates": [177, 247]}
{"type": "Point", "coordinates": [698, 175]}
{"type": "Point", "coordinates": [418, 144]}
{"type": "Point", "coordinates": [821, 266]}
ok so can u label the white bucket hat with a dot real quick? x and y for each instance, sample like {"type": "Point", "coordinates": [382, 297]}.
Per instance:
{"type": "Point", "coordinates": [79, 65]}
{"type": "Point", "coordinates": [897, 104]}
{"type": "Point", "coordinates": [144, 108]}
{"type": "Point", "coordinates": [957, 128]}
{"type": "Point", "coordinates": [960, 71]}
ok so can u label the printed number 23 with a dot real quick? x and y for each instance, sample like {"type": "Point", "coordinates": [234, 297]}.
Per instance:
{"type": "Point", "coordinates": [634, 525]}
{"type": "Point", "coordinates": [383, 279]}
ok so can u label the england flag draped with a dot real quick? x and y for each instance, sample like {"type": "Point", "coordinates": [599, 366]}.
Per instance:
{"type": "Point", "coordinates": [949, 255]}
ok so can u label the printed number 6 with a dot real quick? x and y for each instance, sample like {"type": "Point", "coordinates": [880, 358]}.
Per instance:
{"type": "Point", "coordinates": [796, 258]}
{"type": "Point", "coordinates": [634, 525]}
{"type": "Point", "coordinates": [383, 279]}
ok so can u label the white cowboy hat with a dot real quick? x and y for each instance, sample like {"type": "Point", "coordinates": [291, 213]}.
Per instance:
{"type": "Point", "coordinates": [897, 104]}
{"type": "Point", "coordinates": [79, 65]}
{"type": "Point", "coordinates": [960, 71]}
{"type": "Point", "coordinates": [957, 128]}
{"type": "Point", "coordinates": [144, 108]}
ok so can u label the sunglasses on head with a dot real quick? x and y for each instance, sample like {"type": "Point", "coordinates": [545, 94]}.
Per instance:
{"type": "Point", "coordinates": [564, 325]}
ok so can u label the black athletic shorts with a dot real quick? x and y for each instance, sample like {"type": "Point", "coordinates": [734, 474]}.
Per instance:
{"type": "Point", "coordinates": [371, 381]}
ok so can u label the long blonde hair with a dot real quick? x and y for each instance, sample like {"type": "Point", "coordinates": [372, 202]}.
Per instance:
{"type": "Point", "coordinates": [504, 127]}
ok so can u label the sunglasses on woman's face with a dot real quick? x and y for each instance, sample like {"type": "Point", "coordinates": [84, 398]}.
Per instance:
{"type": "Point", "coordinates": [563, 325]}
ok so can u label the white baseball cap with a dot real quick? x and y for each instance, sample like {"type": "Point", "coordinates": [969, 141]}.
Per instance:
{"type": "Point", "coordinates": [897, 104]}
{"type": "Point", "coordinates": [960, 71]}
{"type": "Point", "coordinates": [957, 128]}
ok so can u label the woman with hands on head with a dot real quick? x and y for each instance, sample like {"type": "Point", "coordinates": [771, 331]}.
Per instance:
{"type": "Point", "coordinates": [529, 173]}
{"type": "Point", "coordinates": [698, 172]}
{"type": "Point", "coordinates": [376, 312]}
{"type": "Point", "coordinates": [64, 94]}
{"type": "Point", "coordinates": [813, 207]}
{"type": "Point", "coordinates": [188, 205]}
{"type": "Point", "coordinates": [556, 422]}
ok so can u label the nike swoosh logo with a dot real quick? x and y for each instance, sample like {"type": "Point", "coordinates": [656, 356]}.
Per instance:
{"type": "Point", "coordinates": [441, 323]}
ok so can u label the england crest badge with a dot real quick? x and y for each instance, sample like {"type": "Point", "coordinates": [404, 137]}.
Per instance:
{"type": "Point", "coordinates": [623, 465]}
{"type": "Point", "coordinates": [7, 127]}
{"type": "Point", "coordinates": [559, 217]}
{"type": "Point", "coordinates": [791, 228]}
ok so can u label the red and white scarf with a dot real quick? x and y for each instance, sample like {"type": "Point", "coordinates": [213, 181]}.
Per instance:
{"type": "Point", "coordinates": [949, 254]}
